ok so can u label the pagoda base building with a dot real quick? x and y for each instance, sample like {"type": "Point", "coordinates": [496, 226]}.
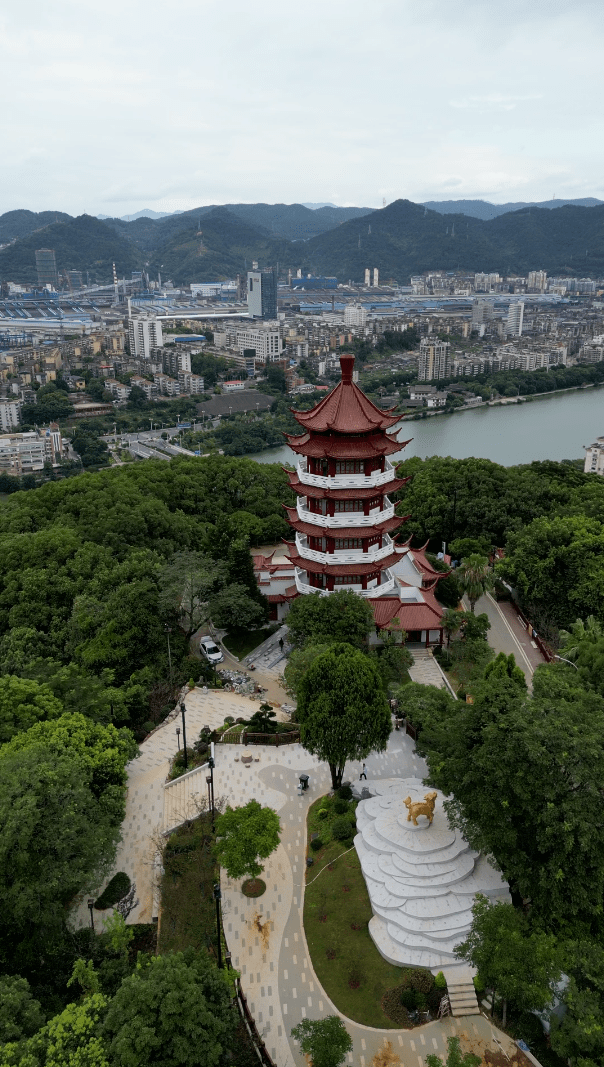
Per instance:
{"type": "Point", "coordinates": [344, 519]}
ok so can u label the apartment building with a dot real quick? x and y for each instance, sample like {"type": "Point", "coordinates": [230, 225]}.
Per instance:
{"type": "Point", "coordinates": [434, 359]}
{"type": "Point", "coordinates": [144, 334]}
{"type": "Point", "coordinates": [10, 415]}
{"type": "Point", "coordinates": [26, 453]}
{"type": "Point", "coordinates": [355, 315]}
{"type": "Point", "coordinates": [117, 389]}
{"type": "Point", "coordinates": [594, 457]}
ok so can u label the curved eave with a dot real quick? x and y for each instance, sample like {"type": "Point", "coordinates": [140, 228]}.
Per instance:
{"type": "Point", "coordinates": [346, 409]}
{"type": "Point", "coordinates": [366, 493]}
{"type": "Point", "coordinates": [319, 447]}
{"type": "Point", "coordinates": [358, 532]}
{"type": "Point", "coordinates": [342, 570]}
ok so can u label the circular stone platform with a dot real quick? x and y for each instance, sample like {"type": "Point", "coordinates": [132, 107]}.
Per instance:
{"type": "Point", "coordinates": [421, 879]}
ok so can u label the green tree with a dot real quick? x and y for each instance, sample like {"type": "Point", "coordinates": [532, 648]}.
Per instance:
{"type": "Point", "coordinates": [20, 1014]}
{"type": "Point", "coordinates": [342, 709]}
{"type": "Point", "coordinates": [298, 662]}
{"type": "Point", "coordinates": [578, 635]}
{"type": "Point", "coordinates": [23, 703]}
{"type": "Point", "coordinates": [324, 1041]}
{"type": "Point", "coordinates": [175, 1011]}
{"type": "Point", "coordinates": [455, 1057]}
{"type": "Point", "coordinates": [475, 578]}
{"type": "Point", "coordinates": [520, 964]}
{"type": "Point", "coordinates": [243, 836]}
{"type": "Point", "coordinates": [341, 616]}
{"type": "Point", "coordinates": [72, 1039]}
{"type": "Point", "coordinates": [137, 399]}
{"type": "Point", "coordinates": [186, 584]}
{"type": "Point", "coordinates": [579, 1036]}
{"type": "Point", "coordinates": [234, 609]}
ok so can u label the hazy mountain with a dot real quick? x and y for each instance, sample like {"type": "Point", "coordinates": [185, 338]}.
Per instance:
{"type": "Point", "coordinates": [84, 243]}
{"type": "Point", "coordinates": [406, 238]}
{"type": "Point", "coordinates": [145, 213]}
{"type": "Point", "coordinates": [482, 209]}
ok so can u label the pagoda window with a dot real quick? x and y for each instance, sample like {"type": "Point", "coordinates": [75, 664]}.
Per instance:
{"type": "Point", "coordinates": [317, 544]}
{"type": "Point", "coordinates": [348, 505]}
{"type": "Point", "coordinates": [348, 579]}
{"type": "Point", "coordinates": [350, 466]}
{"type": "Point", "coordinates": [348, 542]}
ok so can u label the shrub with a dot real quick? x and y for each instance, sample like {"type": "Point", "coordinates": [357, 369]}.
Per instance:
{"type": "Point", "coordinates": [117, 888]}
{"type": "Point", "coordinates": [409, 999]}
{"type": "Point", "coordinates": [322, 813]}
{"type": "Point", "coordinates": [340, 806]}
{"type": "Point", "coordinates": [341, 828]}
{"type": "Point", "coordinates": [434, 998]}
{"type": "Point", "coordinates": [479, 984]}
{"type": "Point", "coordinates": [345, 792]}
{"type": "Point", "coordinates": [230, 719]}
{"type": "Point", "coordinates": [316, 844]}
{"type": "Point", "coordinates": [440, 981]}
{"type": "Point", "coordinates": [421, 981]}
{"type": "Point", "coordinates": [148, 726]}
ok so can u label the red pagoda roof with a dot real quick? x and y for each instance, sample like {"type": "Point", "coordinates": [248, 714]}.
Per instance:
{"type": "Point", "coordinates": [360, 532]}
{"type": "Point", "coordinates": [322, 447]}
{"type": "Point", "coordinates": [317, 493]}
{"type": "Point", "coordinates": [346, 409]}
{"type": "Point", "coordinates": [340, 569]}
{"type": "Point", "coordinates": [390, 613]}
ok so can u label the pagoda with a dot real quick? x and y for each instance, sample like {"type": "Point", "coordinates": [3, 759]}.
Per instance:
{"type": "Point", "coordinates": [344, 519]}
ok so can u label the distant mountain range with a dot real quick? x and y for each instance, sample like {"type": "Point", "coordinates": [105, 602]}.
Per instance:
{"type": "Point", "coordinates": [402, 239]}
{"type": "Point", "coordinates": [482, 209]}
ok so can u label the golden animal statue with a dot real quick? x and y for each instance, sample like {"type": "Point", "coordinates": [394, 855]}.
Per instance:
{"type": "Point", "coordinates": [421, 807]}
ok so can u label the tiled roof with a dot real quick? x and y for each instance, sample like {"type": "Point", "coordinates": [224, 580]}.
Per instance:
{"type": "Point", "coordinates": [346, 409]}
{"type": "Point", "coordinates": [320, 446]}
{"type": "Point", "coordinates": [391, 613]}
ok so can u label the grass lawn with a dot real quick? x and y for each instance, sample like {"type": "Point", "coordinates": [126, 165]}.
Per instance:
{"type": "Point", "coordinates": [241, 642]}
{"type": "Point", "coordinates": [336, 915]}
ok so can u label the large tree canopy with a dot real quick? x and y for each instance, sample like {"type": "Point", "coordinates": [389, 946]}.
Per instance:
{"type": "Point", "coordinates": [341, 616]}
{"type": "Point", "coordinates": [245, 835]}
{"type": "Point", "coordinates": [342, 709]}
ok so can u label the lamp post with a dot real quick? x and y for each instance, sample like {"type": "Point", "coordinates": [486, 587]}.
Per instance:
{"type": "Point", "coordinates": [209, 784]}
{"type": "Point", "coordinates": [178, 737]}
{"type": "Point", "coordinates": [217, 896]}
{"type": "Point", "coordinates": [90, 907]}
{"type": "Point", "coordinates": [565, 660]}
{"type": "Point", "coordinates": [211, 765]}
{"type": "Point", "coordinates": [168, 631]}
{"type": "Point", "coordinates": [184, 732]}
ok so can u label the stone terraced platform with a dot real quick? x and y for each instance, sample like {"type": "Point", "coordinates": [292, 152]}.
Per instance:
{"type": "Point", "coordinates": [421, 879]}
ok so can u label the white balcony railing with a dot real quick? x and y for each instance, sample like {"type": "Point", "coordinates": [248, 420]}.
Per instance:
{"type": "Point", "coordinates": [385, 589]}
{"type": "Point", "coordinates": [345, 518]}
{"type": "Point", "coordinates": [353, 555]}
{"type": "Point", "coordinates": [347, 481]}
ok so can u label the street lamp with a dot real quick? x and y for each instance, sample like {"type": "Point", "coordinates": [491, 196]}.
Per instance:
{"type": "Point", "coordinates": [565, 660]}
{"type": "Point", "coordinates": [211, 765]}
{"type": "Point", "coordinates": [184, 732]}
{"type": "Point", "coordinates": [90, 907]}
{"type": "Point", "coordinates": [168, 631]}
{"type": "Point", "coordinates": [217, 896]}
{"type": "Point", "coordinates": [178, 737]}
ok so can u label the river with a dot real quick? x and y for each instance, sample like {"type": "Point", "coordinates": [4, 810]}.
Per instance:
{"type": "Point", "coordinates": [553, 427]}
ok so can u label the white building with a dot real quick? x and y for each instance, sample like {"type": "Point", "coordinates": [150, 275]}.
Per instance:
{"type": "Point", "coordinates": [594, 457]}
{"type": "Point", "coordinates": [117, 389]}
{"type": "Point", "coordinates": [191, 383]}
{"type": "Point", "coordinates": [355, 315]}
{"type": "Point", "coordinates": [482, 311]}
{"type": "Point", "coordinates": [10, 414]}
{"type": "Point", "coordinates": [537, 279]}
{"type": "Point", "coordinates": [144, 334]}
{"type": "Point", "coordinates": [266, 342]}
{"type": "Point", "coordinates": [434, 359]}
{"type": "Point", "coordinates": [148, 388]}
{"type": "Point", "coordinates": [514, 320]}
{"type": "Point", "coordinates": [166, 385]}
{"type": "Point", "coordinates": [26, 453]}
{"type": "Point", "coordinates": [233, 387]}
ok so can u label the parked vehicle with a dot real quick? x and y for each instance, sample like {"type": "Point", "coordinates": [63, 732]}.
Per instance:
{"type": "Point", "coordinates": [211, 651]}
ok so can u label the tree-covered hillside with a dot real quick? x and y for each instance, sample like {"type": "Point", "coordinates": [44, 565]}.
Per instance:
{"type": "Point", "coordinates": [84, 244]}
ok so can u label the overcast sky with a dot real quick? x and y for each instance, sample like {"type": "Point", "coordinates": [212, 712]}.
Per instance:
{"type": "Point", "coordinates": [116, 106]}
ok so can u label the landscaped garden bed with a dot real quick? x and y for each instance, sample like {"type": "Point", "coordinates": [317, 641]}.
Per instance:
{"type": "Point", "coordinates": [337, 911]}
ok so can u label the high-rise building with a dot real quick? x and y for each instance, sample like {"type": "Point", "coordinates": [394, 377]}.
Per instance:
{"type": "Point", "coordinates": [513, 322]}
{"type": "Point", "coordinates": [46, 266]}
{"type": "Point", "coordinates": [144, 334]}
{"type": "Point", "coordinates": [482, 311]}
{"type": "Point", "coordinates": [74, 278]}
{"type": "Point", "coordinates": [10, 415]}
{"type": "Point", "coordinates": [434, 359]}
{"type": "Point", "coordinates": [262, 294]}
{"type": "Point", "coordinates": [537, 279]}
{"type": "Point", "coordinates": [355, 315]}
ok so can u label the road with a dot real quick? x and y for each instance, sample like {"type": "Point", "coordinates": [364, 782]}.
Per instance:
{"type": "Point", "coordinates": [507, 634]}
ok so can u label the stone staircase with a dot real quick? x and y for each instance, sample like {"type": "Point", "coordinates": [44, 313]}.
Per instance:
{"type": "Point", "coordinates": [462, 994]}
{"type": "Point", "coordinates": [426, 670]}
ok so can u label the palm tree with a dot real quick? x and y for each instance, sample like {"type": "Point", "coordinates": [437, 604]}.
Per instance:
{"type": "Point", "coordinates": [475, 578]}
{"type": "Point", "coordinates": [590, 630]}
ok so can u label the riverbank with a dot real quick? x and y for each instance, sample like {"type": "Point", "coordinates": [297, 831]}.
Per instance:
{"type": "Point", "coordinates": [508, 434]}
{"type": "Point", "coordinates": [502, 401]}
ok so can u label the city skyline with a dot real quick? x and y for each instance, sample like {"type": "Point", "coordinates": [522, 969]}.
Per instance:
{"type": "Point", "coordinates": [115, 111]}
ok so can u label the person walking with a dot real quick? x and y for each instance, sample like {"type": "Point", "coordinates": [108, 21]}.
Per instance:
{"type": "Point", "coordinates": [363, 773]}
{"type": "Point", "coordinates": [281, 643]}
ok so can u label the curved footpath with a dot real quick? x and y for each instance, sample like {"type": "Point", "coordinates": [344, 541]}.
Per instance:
{"type": "Point", "coordinates": [266, 936]}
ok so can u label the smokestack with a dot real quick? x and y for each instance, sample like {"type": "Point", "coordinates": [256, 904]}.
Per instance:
{"type": "Point", "coordinates": [376, 277]}
{"type": "Point", "coordinates": [367, 277]}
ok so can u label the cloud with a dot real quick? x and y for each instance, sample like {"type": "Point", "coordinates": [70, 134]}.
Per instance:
{"type": "Point", "coordinates": [493, 102]}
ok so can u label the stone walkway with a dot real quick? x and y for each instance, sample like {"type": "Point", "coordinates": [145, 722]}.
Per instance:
{"type": "Point", "coordinates": [266, 936]}
{"type": "Point", "coordinates": [426, 670]}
